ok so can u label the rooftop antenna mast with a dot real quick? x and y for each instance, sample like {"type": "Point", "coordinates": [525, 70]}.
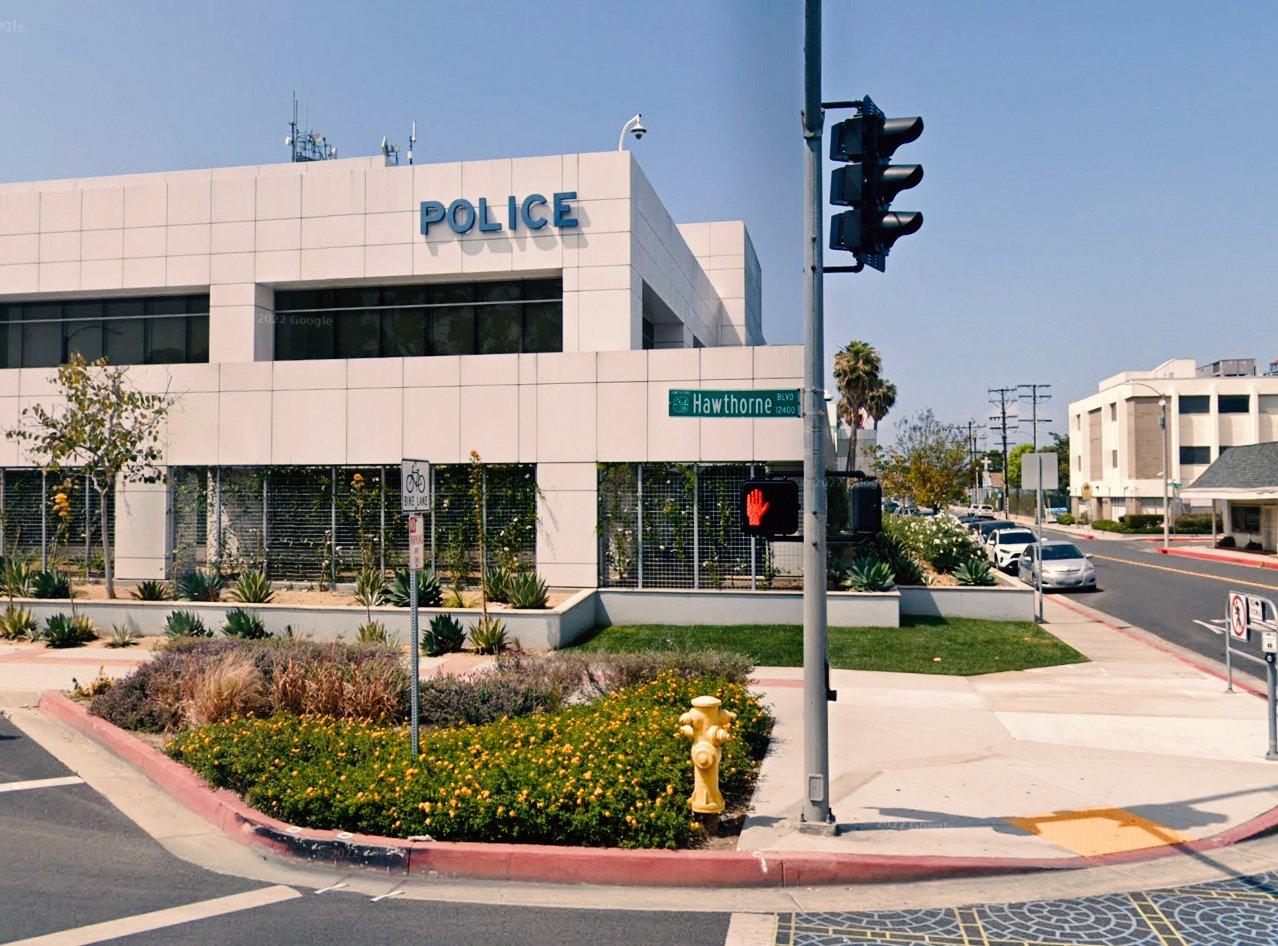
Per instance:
{"type": "Point", "coordinates": [306, 145]}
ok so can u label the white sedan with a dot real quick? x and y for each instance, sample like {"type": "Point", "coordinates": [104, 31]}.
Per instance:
{"type": "Point", "coordinates": [1063, 566]}
{"type": "Point", "coordinates": [1006, 546]}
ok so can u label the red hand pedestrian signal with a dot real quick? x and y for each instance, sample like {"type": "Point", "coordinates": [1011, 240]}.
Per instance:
{"type": "Point", "coordinates": [768, 507]}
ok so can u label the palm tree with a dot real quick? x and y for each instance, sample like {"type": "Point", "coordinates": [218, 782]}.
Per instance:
{"type": "Point", "coordinates": [856, 372]}
{"type": "Point", "coordinates": [881, 400]}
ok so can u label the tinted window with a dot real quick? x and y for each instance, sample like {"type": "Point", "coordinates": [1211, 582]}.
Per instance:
{"type": "Point", "coordinates": [1016, 537]}
{"type": "Point", "coordinates": [1195, 404]}
{"type": "Point", "coordinates": [1060, 552]}
{"type": "Point", "coordinates": [1195, 456]}
{"type": "Point", "coordinates": [1233, 403]}
{"type": "Point", "coordinates": [150, 329]}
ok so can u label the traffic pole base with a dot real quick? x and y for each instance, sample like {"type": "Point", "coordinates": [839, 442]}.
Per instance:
{"type": "Point", "coordinates": [824, 829]}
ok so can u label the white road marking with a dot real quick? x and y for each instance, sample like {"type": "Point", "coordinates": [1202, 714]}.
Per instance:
{"type": "Point", "coordinates": [173, 916]}
{"type": "Point", "coordinates": [751, 929]}
{"type": "Point", "coordinates": [393, 893]}
{"type": "Point", "coordinates": [41, 783]}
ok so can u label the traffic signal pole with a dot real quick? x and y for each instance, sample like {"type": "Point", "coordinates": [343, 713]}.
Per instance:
{"type": "Point", "coordinates": [816, 814]}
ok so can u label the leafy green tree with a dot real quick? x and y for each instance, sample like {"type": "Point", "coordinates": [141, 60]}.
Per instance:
{"type": "Point", "coordinates": [104, 427]}
{"type": "Point", "coordinates": [929, 462]}
{"type": "Point", "coordinates": [1015, 459]}
{"type": "Point", "coordinates": [1060, 443]}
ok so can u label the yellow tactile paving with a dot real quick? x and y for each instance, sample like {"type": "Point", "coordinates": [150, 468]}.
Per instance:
{"type": "Point", "coordinates": [1094, 831]}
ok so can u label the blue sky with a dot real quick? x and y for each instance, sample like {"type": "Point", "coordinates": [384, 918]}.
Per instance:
{"type": "Point", "coordinates": [1099, 192]}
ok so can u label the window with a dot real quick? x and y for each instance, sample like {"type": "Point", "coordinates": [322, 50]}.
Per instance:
{"type": "Point", "coordinates": [1113, 459]}
{"type": "Point", "coordinates": [649, 335]}
{"type": "Point", "coordinates": [406, 321]}
{"type": "Point", "coordinates": [1233, 403]}
{"type": "Point", "coordinates": [1195, 456]}
{"type": "Point", "coordinates": [1194, 404]}
{"type": "Point", "coordinates": [1078, 465]}
{"type": "Point", "coordinates": [1244, 518]}
{"type": "Point", "coordinates": [1078, 421]}
{"type": "Point", "coordinates": [1113, 411]}
{"type": "Point", "coordinates": [1269, 403]}
{"type": "Point", "coordinates": [147, 330]}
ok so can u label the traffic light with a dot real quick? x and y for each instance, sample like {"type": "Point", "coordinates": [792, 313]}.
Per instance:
{"type": "Point", "coordinates": [769, 507]}
{"type": "Point", "coordinates": [866, 499]}
{"type": "Point", "coordinates": [869, 184]}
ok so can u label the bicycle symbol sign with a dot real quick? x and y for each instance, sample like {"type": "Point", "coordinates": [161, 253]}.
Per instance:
{"type": "Point", "coordinates": [414, 479]}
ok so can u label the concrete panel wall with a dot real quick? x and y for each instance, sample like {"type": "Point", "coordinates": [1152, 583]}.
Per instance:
{"type": "Point", "coordinates": [846, 609]}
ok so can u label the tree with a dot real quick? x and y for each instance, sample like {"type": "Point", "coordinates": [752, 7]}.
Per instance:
{"type": "Point", "coordinates": [1060, 443]}
{"type": "Point", "coordinates": [881, 400]}
{"type": "Point", "coordinates": [106, 429]}
{"type": "Point", "coordinates": [856, 373]}
{"type": "Point", "coordinates": [1014, 462]}
{"type": "Point", "coordinates": [929, 463]}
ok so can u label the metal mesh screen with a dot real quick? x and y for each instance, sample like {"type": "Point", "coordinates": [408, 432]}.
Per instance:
{"type": "Point", "coordinates": [32, 527]}
{"type": "Point", "coordinates": [665, 525]}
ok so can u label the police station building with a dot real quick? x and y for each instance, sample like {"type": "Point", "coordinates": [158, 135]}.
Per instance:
{"type": "Point", "coordinates": [317, 322]}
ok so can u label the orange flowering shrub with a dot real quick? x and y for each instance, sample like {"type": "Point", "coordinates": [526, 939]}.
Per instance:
{"type": "Point", "coordinates": [607, 774]}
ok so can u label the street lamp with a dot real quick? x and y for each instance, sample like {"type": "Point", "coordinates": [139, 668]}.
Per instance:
{"type": "Point", "coordinates": [1162, 424]}
{"type": "Point", "coordinates": [635, 127]}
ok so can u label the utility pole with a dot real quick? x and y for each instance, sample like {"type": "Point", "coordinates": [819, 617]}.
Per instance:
{"type": "Point", "coordinates": [1037, 393]}
{"type": "Point", "coordinates": [972, 428]}
{"type": "Point", "coordinates": [816, 815]}
{"type": "Point", "coordinates": [999, 398]}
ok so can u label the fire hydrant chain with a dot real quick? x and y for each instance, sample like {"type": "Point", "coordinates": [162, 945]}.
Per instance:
{"type": "Point", "coordinates": [706, 724]}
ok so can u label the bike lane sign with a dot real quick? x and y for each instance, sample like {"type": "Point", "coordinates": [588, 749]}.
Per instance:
{"type": "Point", "coordinates": [414, 486]}
{"type": "Point", "coordinates": [1238, 615]}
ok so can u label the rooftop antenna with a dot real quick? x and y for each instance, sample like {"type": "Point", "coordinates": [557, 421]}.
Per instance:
{"type": "Point", "coordinates": [306, 145]}
{"type": "Point", "coordinates": [390, 153]}
{"type": "Point", "coordinates": [412, 140]}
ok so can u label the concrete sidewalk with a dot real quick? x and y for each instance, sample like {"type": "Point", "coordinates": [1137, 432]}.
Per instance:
{"type": "Point", "coordinates": [1134, 750]}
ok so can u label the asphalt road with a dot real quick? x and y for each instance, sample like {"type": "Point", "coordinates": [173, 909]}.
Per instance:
{"type": "Point", "coordinates": [1164, 594]}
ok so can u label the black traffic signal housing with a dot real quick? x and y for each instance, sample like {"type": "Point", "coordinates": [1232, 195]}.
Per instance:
{"type": "Point", "coordinates": [866, 499]}
{"type": "Point", "coordinates": [870, 183]}
{"type": "Point", "coordinates": [769, 507]}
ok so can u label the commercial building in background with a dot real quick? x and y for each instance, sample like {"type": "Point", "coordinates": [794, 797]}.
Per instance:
{"type": "Point", "coordinates": [1117, 438]}
{"type": "Point", "coordinates": [319, 321]}
{"type": "Point", "coordinates": [1243, 485]}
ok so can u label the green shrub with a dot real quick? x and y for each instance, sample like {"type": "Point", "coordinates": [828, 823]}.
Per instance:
{"type": "Point", "coordinates": [372, 632]}
{"type": "Point", "coordinates": [152, 591]}
{"type": "Point", "coordinates": [17, 577]}
{"type": "Point", "coordinates": [941, 541]}
{"type": "Point", "coordinates": [976, 571]}
{"type": "Point", "coordinates": [50, 584]}
{"type": "Point", "coordinates": [121, 636]}
{"type": "Point", "coordinates": [370, 588]}
{"type": "Point", "coordinates": [526, 590]}
{"type": "Point", "coordinates": [1109, 525]}
{"type": "Point", "coordinates": [868, 575]}
{"type": "Point", "coordinates": [1136, 521]}
{"type": "Point", "coordinates": [200, 585]}
{"type": "Point", "coordinates": [443, 635]}
{"type": "Point", "coordinates": [253, 587]}
{"type": "Point", "coordinates": [17, 623]}
{"type": "Point", "coordinates": [1195, 524]}
{"type": "Point", "coordinates": [488, 636]}
{"type": "Point", "coordinates": [61, 630]}
{"type": "Point", "coordinates": [242, 623]}
{"type": "Point", "coordinates": [1065, 519]}
{"type": "Point", "coordinates": [185, 624]}
{"type": "Point", "coordinates": [428, 591]}
{"type": "Point", "coordinates": [497, 584]}
{"type": "Point", "coordinates": [606, 774]}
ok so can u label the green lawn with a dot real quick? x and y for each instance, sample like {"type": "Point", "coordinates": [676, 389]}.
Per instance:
{"type": "Point", "coordinates": [965, 646]}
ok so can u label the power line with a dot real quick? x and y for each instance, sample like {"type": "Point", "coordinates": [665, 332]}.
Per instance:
{"type": "Point", "coordinates": [999, 398]}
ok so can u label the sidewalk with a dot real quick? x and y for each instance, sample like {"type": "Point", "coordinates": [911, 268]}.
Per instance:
{"type": "Point", "coordinates": [1229, 556]}
{"type": "Point", "coordinates": [1132, 751]}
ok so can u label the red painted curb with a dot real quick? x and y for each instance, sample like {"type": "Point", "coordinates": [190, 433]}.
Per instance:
{"type": "Point", "coordinates": [1227, 559]}
{"type": "Point", "coordinates": [568, 865]}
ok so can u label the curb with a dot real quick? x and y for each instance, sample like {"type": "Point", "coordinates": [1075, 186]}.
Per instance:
{"type": "Point", "coordinates": [1227, 559]}
{"type": "Point", "coordinates": [570, 865]}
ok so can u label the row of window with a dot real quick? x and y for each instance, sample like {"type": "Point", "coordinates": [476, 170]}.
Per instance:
{"type": "Point", "coordinates": [406, 321]}
{"type": "Point", "coordinates": [149, 330]}
{"type": "Point", "coordinates": [1225, 404]}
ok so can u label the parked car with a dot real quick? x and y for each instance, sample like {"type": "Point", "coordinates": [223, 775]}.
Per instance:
{"type": "Point", "coordinates": [1054, 511]}
{"type": "Point", "coordinates": [1064, 566]}
{"type": "Point", "coordinates": [986, 526]}
{"type": "Point", "coordinates": [1007, 545]}
{"type": "Point", "coordinates": [982, 509]}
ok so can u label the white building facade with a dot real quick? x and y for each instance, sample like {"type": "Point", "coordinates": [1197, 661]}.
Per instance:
{"type": "Point", "coordinates": [344, 314]}
{"type": "Point", "coordinates": [1117, 437]}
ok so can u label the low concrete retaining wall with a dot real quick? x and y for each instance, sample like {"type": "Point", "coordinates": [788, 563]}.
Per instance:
{"type": "Point", "coordinates": [845, 608]}
{"type": "Point", "coordinates": [992, 604]}
{"type": "Point", "coordinates": [533, 630]}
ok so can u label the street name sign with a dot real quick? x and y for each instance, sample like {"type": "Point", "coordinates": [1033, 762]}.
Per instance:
{"type": "Point", "coordinates": [698, 403]}
{"type": "Point", "coordinates": [414, 486]}
{"type": "Point", "coordinates": [1238, 614]}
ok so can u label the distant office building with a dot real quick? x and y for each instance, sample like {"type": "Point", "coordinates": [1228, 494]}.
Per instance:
{"type": "Point", "coordinates": [1116, 434]}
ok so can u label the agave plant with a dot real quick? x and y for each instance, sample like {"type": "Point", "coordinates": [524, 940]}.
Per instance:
{"type": "Point", "coordinates": [429, 594]}
{"type": "Point", "coordinates": [244, 624]}
{"type": "Point", "coordinates": [488, 636]}
{"type": "Point", "coordinates": [527, 590]}
{"type": "Point", "coordinates": [869, 575]}
{"type": "Point", "coordinates": [18, 577]}
{"type": "Point", "coordinates": [497, 584]}
{"type": "Point", "coordinates": [444, 635]}
{"type": "Point", "coordinates": [200, 585]}
{"type": "Point", "coordinates": [252, 587]}
{"type": "Point", "coordinates": [153, 591]}
{"type": "Point", "coordinates": [121, 636]}
{"type": "Point", "coordinates": [372, 632]}
{"type": "Point", "coordinates": [185, 624]}
{"type": "Point", "coordinates": [975, 571]}
{"type": "Point", "coordinates": [50, 584]}
{"type": "Point", "coordinates": [61, 630]}
{"type": "Point", "coordinates": [17, 623]}
{"type": "Point", "coordinates": [370, 588]}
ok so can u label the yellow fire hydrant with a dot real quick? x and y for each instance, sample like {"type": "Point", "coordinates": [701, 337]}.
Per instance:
{"type": "Point", "coordinates": [706, 724]}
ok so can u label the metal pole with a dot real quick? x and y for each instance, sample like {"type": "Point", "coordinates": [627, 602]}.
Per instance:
{"type": "Point", "coordinates": [332, 527]}
{"type": "Point", "coordinates": [754, 579]}
{"type": "Point", "coordinates": [639, 522]}
{"type": "Point", "coordinates": [44, 521]}
{"type": "Point", "coordinates": [1272, 754]}
{"type": "Point", "coordinates": [381, 533]}
{"type": "Point", "coordinates": [217, 520]}
{"type": "Point", "coordinates": [434, 565]}
{"type": "Point", "coordinates": [696, 527]}
{"type": "Point", "coordinates": [266, 511]}
{"type": "Point", "coordinates": [1162, 420]}
{"type": "Point", "coordinates": [414, 646]}
{"type": "Point", "coordinates": [88, 525]}
{"type": "Point", "coordinates": [816, 814]}
{"type": "Point", "coordinates": [1229, 660]}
